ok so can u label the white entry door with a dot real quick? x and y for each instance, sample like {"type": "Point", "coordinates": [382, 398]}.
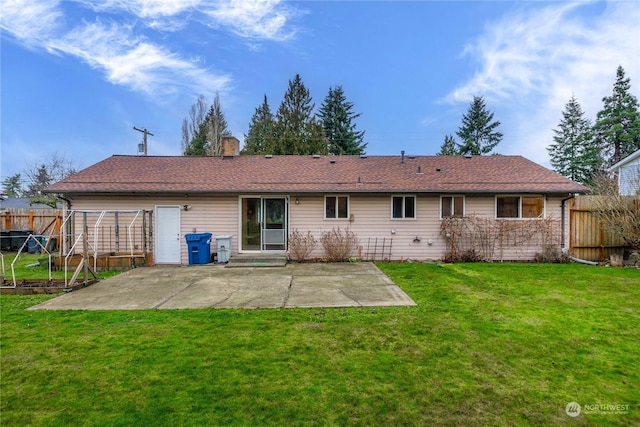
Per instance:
{"type": "Point", "coordinates": [167, 235]}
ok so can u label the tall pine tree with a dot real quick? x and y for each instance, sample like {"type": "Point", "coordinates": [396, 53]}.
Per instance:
{"type": "Point", "coordinates": [449, 147]}
{"type": "Point", "coordinates": [296, 130]}
{"type": "Point", "coordinates": [260, 135]}
{"type": "Point", "coordinates": [478, 130]}
{"type": "Point", "coordinates": [617, 126]}
{"type": "Point", "coordinates": [12, 186]}
{"type": "Point", "coordinates": [337, 120]}
{"type": "Point", "coordinates": [574, 152]}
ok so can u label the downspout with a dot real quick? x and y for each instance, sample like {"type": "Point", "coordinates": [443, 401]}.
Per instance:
{"type": "Point", "coordinates": [563, 222]}
{"type": "Point", "coordinates": [65, 244]}
{"type": "Point", "coordinates": [66, 200]}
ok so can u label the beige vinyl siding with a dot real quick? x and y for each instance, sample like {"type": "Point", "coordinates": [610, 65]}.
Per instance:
{"type": "Point", "coordinates": [372, 219]}
{"type": "Point", "coordinates": [371, 215]}
{"type": "Point", "coordinates": [214, 214]}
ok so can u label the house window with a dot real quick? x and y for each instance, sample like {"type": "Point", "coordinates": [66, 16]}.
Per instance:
{"type": "Point", "coordinates": [336, 207]}
{"type": "Point", "coordinates": [451, 206]}
{"type": "Point", "coordinates": [519, 207]}
{"type": "Point", "coordinates": [403, 207]}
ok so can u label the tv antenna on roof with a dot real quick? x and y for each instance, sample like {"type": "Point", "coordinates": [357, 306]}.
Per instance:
{"type": "Point", "coordinates": [142, 148]}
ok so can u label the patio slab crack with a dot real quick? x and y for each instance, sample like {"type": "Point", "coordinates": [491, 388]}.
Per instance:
{"type": "Point", "coordinates": [286, 295]}
{"type": "Point", "coordinates": [172, 295]}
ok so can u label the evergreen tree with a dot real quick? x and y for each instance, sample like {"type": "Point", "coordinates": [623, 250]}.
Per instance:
{"type": "Point", "coordinates": [449, 147]}
{"type": "Point", "coordinates": [207, 142]}
{"type": "Point", "coordinates": [296, 131]}
{"type": "Point", "coordinates": [617, 126]}
{"type": "Point", "coordinates": [337, 120]}
{"type": "Point", "coordinates": [40, 179]}
{"type": "Point", "coordinates": [260, 135]}
{"type": "Point", "coordinates": [574, 152]}
{"type": "Point", "coordinates": [198, 145]}
{"type": "Point", "coordinates": [12, 187]}
{"type": "Point", "coordinates": [478, 130]}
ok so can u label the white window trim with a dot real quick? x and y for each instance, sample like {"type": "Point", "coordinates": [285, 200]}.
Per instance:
{"type": "Point", "coordinates": [520, 196]}
{"type": "Point", "coordinates": [324, 207]}
{"type": "Point", "coordinates": [415, 207]}
{"type": "Point", "coordinates": [464, 205]}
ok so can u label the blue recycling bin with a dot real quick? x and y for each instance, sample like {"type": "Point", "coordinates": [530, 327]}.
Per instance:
{"type": "Point", "coordinates": [33, 245]}
{"type": "Point", "coordinates": [199, 247]}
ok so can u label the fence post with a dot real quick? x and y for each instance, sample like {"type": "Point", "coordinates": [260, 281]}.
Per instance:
{"type": "Point", "coordinates": [144, 234]}
{"type": "Point", "coordinates": [7, 220]}
{"type": "Point", "coordinates": [117, 231]}
{"type": "Point", "coordinates": [85, 246]}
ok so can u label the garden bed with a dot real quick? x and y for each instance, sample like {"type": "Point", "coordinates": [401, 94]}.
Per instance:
{"type": "Point", "coordinates": [35, 286]}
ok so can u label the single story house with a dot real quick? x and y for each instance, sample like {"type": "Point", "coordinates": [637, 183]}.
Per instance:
{"type": "Point", "coordinates": [396, 205]}
{"type": "Point", "coordinates": [628, 171]}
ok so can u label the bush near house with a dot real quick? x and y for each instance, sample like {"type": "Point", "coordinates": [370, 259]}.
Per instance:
{"type": "Point", "coordinates": [301, 245]}
{"type": "Point", "coordinates": [339, 244]}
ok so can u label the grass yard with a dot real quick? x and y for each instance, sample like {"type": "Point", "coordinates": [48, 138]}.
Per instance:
{"type": "Point", "coordinates": [35, 267]}
{"type": "Point", "coordinates": [488, 344]}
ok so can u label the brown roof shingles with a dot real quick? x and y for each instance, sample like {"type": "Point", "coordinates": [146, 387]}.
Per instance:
{"type": "Point", "coordinates": [420, 174]}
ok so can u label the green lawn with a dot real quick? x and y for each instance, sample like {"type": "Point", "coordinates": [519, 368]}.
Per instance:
{"type": "Point", "coordinates": [487, 344]}
{"type": "Point", "coordinates": [36, 267]}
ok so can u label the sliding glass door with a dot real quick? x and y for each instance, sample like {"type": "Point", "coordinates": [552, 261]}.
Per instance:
{"type": "Point", "coordinates": [264, 224]}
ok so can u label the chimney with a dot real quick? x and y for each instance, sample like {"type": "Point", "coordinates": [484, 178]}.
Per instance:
{"type": "Point", "coordinates": [230, 146]}
{"type": "Point", "coordinates": [402, 157]}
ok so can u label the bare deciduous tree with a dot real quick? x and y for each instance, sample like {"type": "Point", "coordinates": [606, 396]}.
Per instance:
{"type": "Point", "coordinates": [42, 174]}
{"type": "Point", "coordinates": [619, 214]}
{"type": "Point", "coordinates": [191, 125]}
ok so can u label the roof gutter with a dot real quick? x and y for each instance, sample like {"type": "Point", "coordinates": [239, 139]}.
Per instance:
{"type": "Point", "coordinates": [61, 197]}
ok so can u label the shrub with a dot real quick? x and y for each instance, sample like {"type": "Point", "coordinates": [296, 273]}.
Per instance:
{"type": "Point", "coordinates": [551, 254]}
{"type": "Point", "coordinates": [339, 244]}
{"type": "Point", "coordinates": [301, 245]}
{"type": "Point", "coordinates": [470, 255]}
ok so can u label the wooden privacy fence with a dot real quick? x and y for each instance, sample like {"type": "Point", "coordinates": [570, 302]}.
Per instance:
{"type": "Point", "coordinates": [40, 222]}
{"type": "Point", "coordinates": [588, 237]}
{"type": "Point", "coordinates": [37, 220]}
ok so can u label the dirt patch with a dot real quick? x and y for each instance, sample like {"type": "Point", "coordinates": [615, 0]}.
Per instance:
{"type": "Point", "coordinates": [31, 287]}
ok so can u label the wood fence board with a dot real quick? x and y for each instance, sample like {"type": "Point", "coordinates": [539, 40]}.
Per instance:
{"type": "Point", "coordinates": [588, 238]}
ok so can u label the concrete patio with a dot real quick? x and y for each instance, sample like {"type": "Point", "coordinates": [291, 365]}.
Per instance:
{"type": "Point", "coordinates": [211, 285]}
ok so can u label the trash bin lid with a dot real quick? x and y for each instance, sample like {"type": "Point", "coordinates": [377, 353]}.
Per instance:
{"type": "Point", "coordinates": [224, 236]}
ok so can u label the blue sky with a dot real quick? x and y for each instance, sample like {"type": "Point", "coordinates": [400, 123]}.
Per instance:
{"type": "Point", "coordinates": [77, 77]}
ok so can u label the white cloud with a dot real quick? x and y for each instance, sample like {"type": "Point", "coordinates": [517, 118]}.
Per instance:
{"type": "Point", "coordinates": [533, 60]}
{"type": "Point", "coordinates": [32, 22]}
{"type": "Point", "coordinates": [261, 19]}
{"type": "Point", "coordinates": [146, 8]}
{"type": "Point", "coordinates": [130, 61]}
{"type": "Point", "coordinates": [125, 59]}
{"type": "Point", "coordinates": [163, 15]}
